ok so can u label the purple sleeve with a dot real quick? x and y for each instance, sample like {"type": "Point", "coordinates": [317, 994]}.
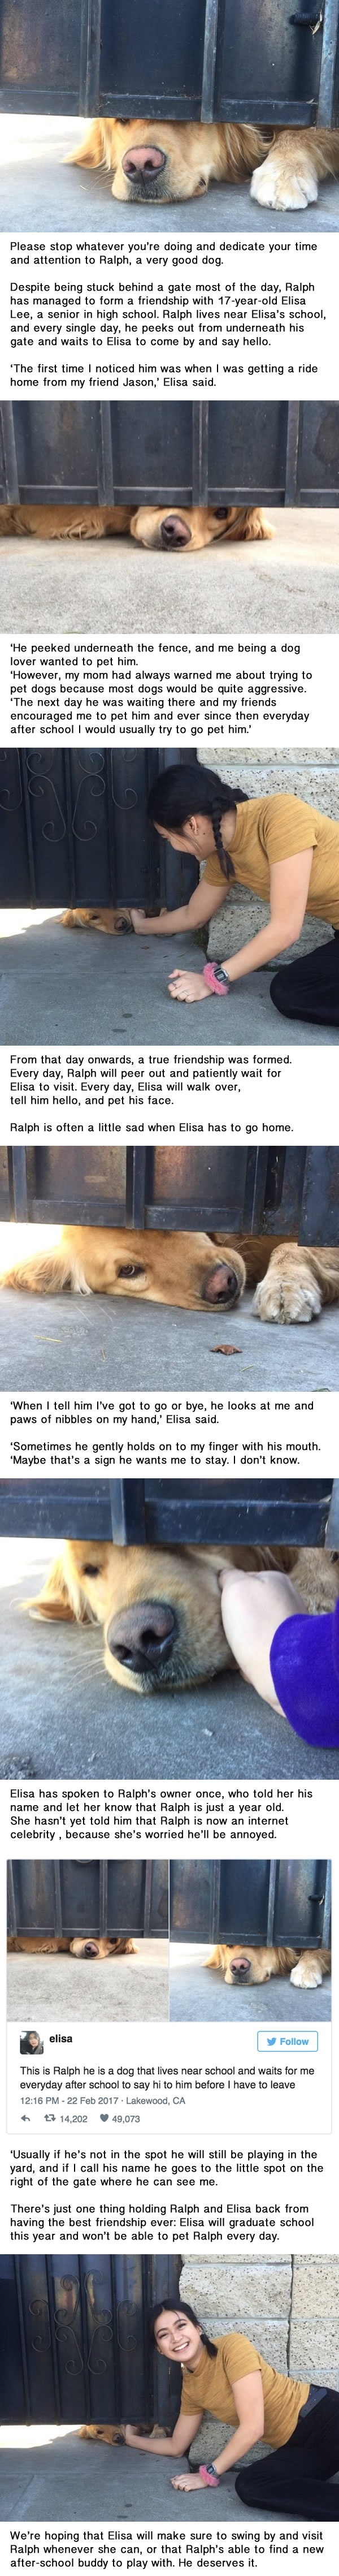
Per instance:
{"type": "Point", "coordinates": [304, 1662]}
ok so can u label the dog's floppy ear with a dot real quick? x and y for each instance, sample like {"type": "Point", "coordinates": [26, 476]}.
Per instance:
{"type": "Point", "coordinates": [287, 1959]}
{"type": "Point", "coordinates": [92, 152]}
{"type": "Point", "coordinates": [62, 1596]}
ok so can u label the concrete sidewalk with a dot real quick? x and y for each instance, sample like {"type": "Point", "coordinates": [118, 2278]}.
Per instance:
{"type": "Point", "coordinates": [92, 2482]}
{"type": "Point", "coordinates": [100, 1990]}
{"type": "Point", "coordinates": [38, 193]}
{"type": "Point", "coordinates": [198, 1996]}
{"type": "Point", "coordinates": [65, 988]}
{"type": "Point", "coordinates": [114, 587]}
{"type": "Point", "coordinates": [64, 1718]}
{"type": "Point", "coordinates": [110, 1345]}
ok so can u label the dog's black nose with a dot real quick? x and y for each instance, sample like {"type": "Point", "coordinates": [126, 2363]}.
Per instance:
{"type": "Point", "coordinates": [222, 1287]}
{"type": "Point", "coordinates": [173, 532]}
{"type": "Point", "coordinates": [142, 1637]}
{"type": "Point", "coordinates": [143, 161]}
{"type": "Point", "coordinates": [90, 1950]}
{"type": "Point", "coordinates": [239, 1967]}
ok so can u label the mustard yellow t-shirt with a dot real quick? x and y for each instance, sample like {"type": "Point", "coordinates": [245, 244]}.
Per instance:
{"type": "Point", "coordinates": [274, 827]}
{"type": "Point", "coordinates": [211, 2388]}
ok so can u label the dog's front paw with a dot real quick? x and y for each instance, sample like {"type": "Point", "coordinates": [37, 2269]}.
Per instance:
{"type": "Point", "coordinates": [275, 185]}
{"type": "Point", "coordinates": [307, 1973]}
{"type": "Point", "coordinates": [287, 1301]}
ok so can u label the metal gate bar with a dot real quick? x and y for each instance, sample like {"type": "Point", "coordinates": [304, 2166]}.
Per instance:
{"type": "Point", "coordinates": [292, 455]}
{"type": "Point", "coordinates": [89, 68]}
{"type": "Point", "coordinates": [192, 1513]}
{"type": "Point", "coordinates": [9, 449]}
{"type": "Point", "coordinates": [274, 1867]}
{"type": "Point", "coordinates": [328, 63]}
{"type": "Point", "coordinates": [200, 418]}
{"type": "Point", "coordinates": [106, 493]}
{"type": "Point", "coordinates": [22, 2335]}
{"type": "Point", "coordinates": [209, 61]}
{"type": "Point", "coordinates": [326, 1925]}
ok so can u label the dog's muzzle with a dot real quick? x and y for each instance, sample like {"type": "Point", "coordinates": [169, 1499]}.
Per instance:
{"type": "Point", "coordinates": [142, 1637]}
{"type": "Point", "coordinates": [143, 166]}
{"type": "Point", "coordinates": [222, 1287]}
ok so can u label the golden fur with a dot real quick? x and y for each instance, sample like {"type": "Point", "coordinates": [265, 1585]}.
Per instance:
{"type": "Point", "coordinates": [102, 918]}
{"type": "Point", "coordinates": [89, 1946]}
{"type": "Point", "coordinates": [291, 1283]}
{"type": "Point", "coordinates": [244, 1965]}
{"type": "Point", "coordinates": [162, 531]}
{"type": "Point", "coordinates": [284, 166]}
{"type": "Point", "coordinates": [177, 1589]}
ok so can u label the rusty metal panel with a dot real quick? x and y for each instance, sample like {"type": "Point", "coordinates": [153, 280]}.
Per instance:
{"type": "Point", "coordinates": [231, 1901]}
{"type": "Point", "coordinates": [200, 58]}
{"type": "Point", "coordinates": [178, 453]}
{"type": "Point", "coordinates": [71, 1896]}
{"type": "Point", "coordinates": [292, 1191]}
{"type": "Point", "coordinates": [161, 1511]}
{"type": "Point", "coordinates": [74, 2341]}
{"type": "Point", "coordinates": [75, 830]}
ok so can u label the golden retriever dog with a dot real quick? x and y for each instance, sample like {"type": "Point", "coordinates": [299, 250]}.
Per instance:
{"type": "Point", "coordinates": [158, 164]}
{"type": "Point", "coordinates": [243, 1965]}
{"type": "Point", "coordinates": [190, 1270]}
{"type": "Point", "coordinates": [37, 1944]}
{"type": "Point", "coordinates": [118, 923]}
{"type": "Point", "coordinates": [166, 531]}
{"type": "Point", "coordinates": [160, 1607]}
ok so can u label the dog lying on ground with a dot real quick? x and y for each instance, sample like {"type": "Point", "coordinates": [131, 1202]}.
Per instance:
{"type": "Point", "coordinates": [160, 1608]}
{"type": "Point", "coordinates": [190, 1270]}
{"type": "Point", "coordinates": [165, 531]}
{"type": "Point", "coordinates": [35, 1944]}
{"type": "Point", "coordinates": [244, 1966]}
{"type": "Point", "coordinates": [158, 164]}
{"type": "Point", "coordinates": [118, 923]}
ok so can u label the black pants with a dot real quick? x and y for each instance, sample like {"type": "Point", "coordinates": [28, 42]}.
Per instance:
{"type": "Point", "coordinates": [309, 988]}
{"type": "Point", "coordinates": [294, 2479]}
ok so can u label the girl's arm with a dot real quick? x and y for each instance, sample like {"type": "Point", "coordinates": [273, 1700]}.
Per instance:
{"type": "Point", "coordinates": [206, 900]}
{"type": "Point", "coordinates": [249, 2401]}
{"type": "Point", "coordinates": [172, 2445]}
{"type": "Point", "coordinates": [289, 884]}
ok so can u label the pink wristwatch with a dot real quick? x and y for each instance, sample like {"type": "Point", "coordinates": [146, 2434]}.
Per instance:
{"type": "Point", "coordinates": [217, 979]}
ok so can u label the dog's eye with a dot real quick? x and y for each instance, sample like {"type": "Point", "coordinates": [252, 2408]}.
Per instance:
{"type": "Point", "coordinates": [131, 1270]}
{"type": "Point", "coordinates": [220, 512]}
{"type": "Point", "coordinates": [92, 1570]}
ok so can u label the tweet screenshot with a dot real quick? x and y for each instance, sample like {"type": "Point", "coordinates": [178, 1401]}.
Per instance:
{"type": "Point", "coordinates": [169, 1287]}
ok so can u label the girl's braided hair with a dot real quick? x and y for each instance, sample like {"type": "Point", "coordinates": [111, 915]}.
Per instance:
{"type": "Point", "coordinates": [186, 789]}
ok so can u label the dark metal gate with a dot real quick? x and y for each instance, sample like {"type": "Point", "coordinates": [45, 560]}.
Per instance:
{"type": "Point", "coordinates": [245, 1900]}
{"type": "Point", "coordinates": [283, 1190]}
{"type": "Point", "coordinates": [109, 1898]}
{"type": "Point", "coordinates": [197, 1512]}
{"type": "Point", "coordinates": [176, 453]}
{"type": "Point", "coordinates": [200, 58]}
{"type": "Point", "coordinates": [75, 830]}
{"type": "Point", "coordinates": [74, 2340]}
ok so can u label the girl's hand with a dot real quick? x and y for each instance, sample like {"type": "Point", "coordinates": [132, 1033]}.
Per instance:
{"type": "Point", "coordinates": [138, 917]}
{"type": "Point", "coordinates": [187, 988]}
{"type": "Point", "coordinates": [129, 2435]}
{"type": "Point", "coordinates": [191, 2480]}
{"type": "Point", "coordinates": [253, 1606]}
